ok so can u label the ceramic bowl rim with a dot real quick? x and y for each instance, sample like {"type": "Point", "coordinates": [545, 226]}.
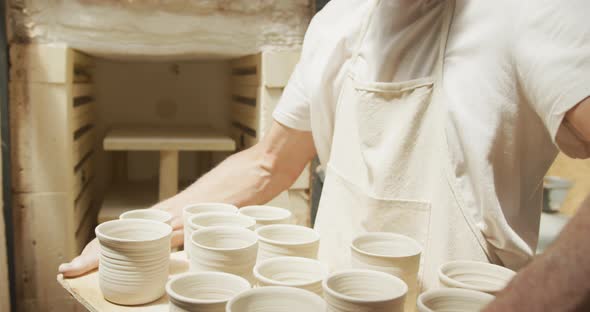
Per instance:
{"type": "Point", "coordinates": [187, 207]}
{"type": "Point", "coordinates": [191, 224]}
{"type": "Point", "coordinates": [292, 226]}
{"type": "Point", "coordinates": [174, 295]}
{"type": "Point", "coordinates": [456, 291]}
{"type": "Point", "coordinates": [271, 281]}
{"type": "Point", "coordinates": [458, 284]}
{"type": "Point", "coordinates": [287, 213]}
{"type": "Point", "coordinates": [224, 228]}
{"type": "Point", "coordinates": [351, 299]}
{"type": "Point", "coordinates": [416, 244]}
{"type": "Point", "coordinates": [109, 238]}
{"type": "Point", "coordinates": [282, 289]}
{"type": "Point", "coordinates": [166, 216]}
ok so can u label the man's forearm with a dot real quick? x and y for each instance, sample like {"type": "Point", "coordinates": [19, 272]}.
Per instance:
{"type": "Point", "coordinates": [558, 280]}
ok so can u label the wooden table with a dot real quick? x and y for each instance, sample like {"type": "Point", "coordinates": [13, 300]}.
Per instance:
{"type": "Point", "coordinates": [168, 141]}
{"type": "Point", "coordinates": [86, 290]}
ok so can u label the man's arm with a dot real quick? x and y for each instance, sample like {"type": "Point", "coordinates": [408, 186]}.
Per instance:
{"type": "Point", "coordinates": [253, 176]}
{"type": "Point", "coordinates": [559, 279]}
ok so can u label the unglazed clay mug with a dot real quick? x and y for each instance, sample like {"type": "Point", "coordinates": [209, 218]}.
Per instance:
{"type": "Point", "coordinates": [148, 214]}
{"type": "Point", "coordinates": [265, 215]}
{"type": "Point", "coordinates": [295, 272]}
{"type": "Point", "coordinates": [204, 291]}
{"type": "Point", "coordinates": [224, 249]}
{"type": "Point", "coordinates": [195, 209]}
{"type": "Point", "coordinates": [475, 275]}
{"type": "Point", "coordinates": [391, 253]}
{"type": "Point", "coordinates": [134, 260]}
{"type": "Point", "coordinates": [453, 299]}
{"type": "Point", "coordinates": [277, 240]}
{"type": "Point", "coordinates": [364, 290]}
{"type": "Point", "coordinates": [208, 219]}
{"type": "Point", "coordinates": [276, 299]}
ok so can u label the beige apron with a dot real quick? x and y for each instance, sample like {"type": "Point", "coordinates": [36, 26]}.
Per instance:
{"type": "Point", "coordinates": [390, 170]}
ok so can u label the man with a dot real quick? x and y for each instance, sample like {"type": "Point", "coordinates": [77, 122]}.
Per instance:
{"type": "Point", "coordinates": [433, 119]}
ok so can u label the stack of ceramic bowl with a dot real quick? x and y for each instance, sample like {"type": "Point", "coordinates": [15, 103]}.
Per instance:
{"type": "Point", "coordinates": [266, 215]}
{"type": "Point", "coordinates": [148, 214]}
{"type": "Point", "coordinates": [474, 275]}
{"type": "Point", "coordinates": [134, 260]}
{"type": "Point", "coordinates": [453, 299]}
{"type": "Point", "coordinates": [204, 291]}
{"type": "Point", "coordinates": [295, 272]}
{"type": "Point", "coordinates": [364, 290]}
{"type": "Point", "coordinates": [278, 240]}
{"type": "Point", "coordinates": [276, 299]}
{"type": "Point", "coordinates": [227, 249]}
{"type": "Point", "coordinates": [195, 209]}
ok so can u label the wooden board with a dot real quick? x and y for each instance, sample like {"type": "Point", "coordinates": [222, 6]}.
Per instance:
{"type": "Point", "coordinates": [86, 290]}
{"type": "Point", "coordinates": [4, 283]}
{"type": "Point", "coordinates": [156, 139]}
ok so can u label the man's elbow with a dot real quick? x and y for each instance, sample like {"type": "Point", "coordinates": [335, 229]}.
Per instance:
{"type": "Point", "coordinates": [579, 118]}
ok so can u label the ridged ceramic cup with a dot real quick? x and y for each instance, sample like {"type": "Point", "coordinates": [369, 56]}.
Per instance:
{"type": "Point", "coordinates": [224, 249]}
{"type": "Point", "coordinates": [364, 290]}
{"type": "Point", "coordinates": [209, 219]}
{"type": "Point", "coordinates": [148, 214]}
{"type": "Point", "coordinates": [295, 272]}
{"type": "Point", "coordinates": [453, 299]}
{"type": "Point", "coordinates": [276, 299]}
{"type": "Point", "coordinates": [279, 240]}
{"type": "Point", "coordinates": [134, 260]}
{"type": "Point", "coordinates": [391, 253]}
{"type": "Point", "coordinates": [265, 215]}
{"type": "Point", "coordinates": [195, 209]}
{"type": "Point", "coordinates": [474, 275]}
{"type": "Point", "coordinates": [204, 291]}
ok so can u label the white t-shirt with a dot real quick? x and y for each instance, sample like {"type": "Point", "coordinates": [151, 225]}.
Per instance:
{"type": "Point", "coordinates": [512, 71]}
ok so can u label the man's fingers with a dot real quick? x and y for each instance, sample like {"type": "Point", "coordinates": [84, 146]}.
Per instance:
{"type": "Point", "coordinates": [78, 266]}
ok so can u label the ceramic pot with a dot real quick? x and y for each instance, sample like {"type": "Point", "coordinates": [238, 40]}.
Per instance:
{"type": "Point", "coordinates": [134, 260]}
{"type": "Point", "coordinates": [204, 291]}
{"type": "Point", "coordinates": [209, 219]}
{"type": "Point", "coordinates": [453, 299]}
{"type": "Point", "coordinates": [277, 240]}
{"type": "Point", "coordinates": [148, 214]}
{"type": "Point", "coordinates": [265, 215]}
{"type": "Point", "coordinates": [474, 275]}
{"type": "Point", "coordinates": [224, 249]}
{"type": "Point", "coordinates": [391, 253]}
{"type": "Point", "coordinates": [195, 209]}
{"type": "Point", "coordinates": [276, 299]}
{"type": "Point", "coordinates": [295, 272]}
{"type": "Point", "coordinates": [364, 290]}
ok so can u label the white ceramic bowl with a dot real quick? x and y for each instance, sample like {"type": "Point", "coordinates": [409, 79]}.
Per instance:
{"type": "Point", "coordinates": [474, 275]}
{"type": "Point", "coordinates": [277, 240]}
{"type": "Point", "coordinates": [453, 299]}
{"type": "Point", "coordinates": [295, 272]}
{"type": "Point", "coordinates": [195, 209]}
{"type": "Point", "coordinates": [148, 214]}
{"type": "Point", "coordinates": [276, 299]}
{"type": "Point", "coordinates": [391, 253]}
{"type": "Point", "coordinates": [209, 219]}
{"type": "Point", "coordinates": [204, 291]}
{"type": "Point", "coordinates": [265, 215]}
{"type": "Point", "coordinates": [134, 260]}
{"type": "Point", "coordinates": [364, 290]}
{"type": "Point", "coordinates": [224, 249]}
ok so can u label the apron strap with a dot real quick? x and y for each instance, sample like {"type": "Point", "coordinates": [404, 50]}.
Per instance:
{"type": "Point", "coordinates": [444, 38]}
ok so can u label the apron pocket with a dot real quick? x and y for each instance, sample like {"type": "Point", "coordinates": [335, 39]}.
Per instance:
{"type": "Point", "coordinates": [407, 217]}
